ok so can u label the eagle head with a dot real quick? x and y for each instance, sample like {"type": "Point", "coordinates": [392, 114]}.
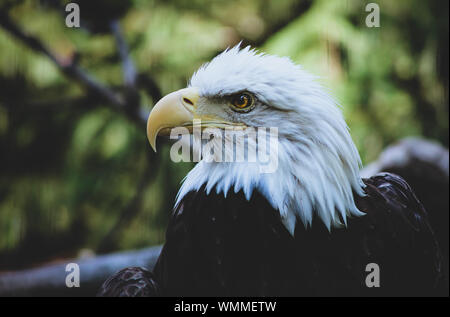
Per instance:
{"type": "Point", "coordinates": [318, 164]}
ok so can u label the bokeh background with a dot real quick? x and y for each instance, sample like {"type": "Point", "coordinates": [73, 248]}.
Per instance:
{"type": "Point", "coordinates": [77, 175]}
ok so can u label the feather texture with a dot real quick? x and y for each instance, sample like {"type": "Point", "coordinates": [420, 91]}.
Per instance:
{"type": "Point", "coordinates": [217, 246]}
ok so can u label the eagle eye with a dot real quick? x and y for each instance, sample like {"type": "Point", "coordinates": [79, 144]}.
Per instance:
{"type": "Point", "coordinates": [242, 102]}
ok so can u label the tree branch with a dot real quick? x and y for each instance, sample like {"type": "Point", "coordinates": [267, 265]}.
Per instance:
{"type": "Point", "coordinates": [50, 280]}
{"type": "Point", "coordinates": [298, 9]}
{"type": "Point", "coordinates": [129, 70]}
{"type": "Point", "coordinates": [69, 69]}
{"type": "Point", "coordinates": [74, 71]}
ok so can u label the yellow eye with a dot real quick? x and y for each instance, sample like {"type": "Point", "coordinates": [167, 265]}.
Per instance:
{"type": "Point", "coordinates": [242, 102]}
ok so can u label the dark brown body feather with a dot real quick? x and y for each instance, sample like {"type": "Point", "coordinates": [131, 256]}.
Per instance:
{"type": "Point", "coordinates": [217, 246]}
{"type": "Point", "coordinates": [130, 282]}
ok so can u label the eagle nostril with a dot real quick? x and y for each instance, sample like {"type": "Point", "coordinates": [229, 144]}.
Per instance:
{"type": "Point", "coordinates": [188, 101]}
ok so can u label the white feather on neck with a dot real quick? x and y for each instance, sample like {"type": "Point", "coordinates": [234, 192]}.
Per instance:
{"type": "Point", "coordinates": [318, 163]}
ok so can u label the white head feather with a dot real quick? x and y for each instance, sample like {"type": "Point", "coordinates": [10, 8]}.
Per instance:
{"type": "Point", "coordinates": [318, 163]}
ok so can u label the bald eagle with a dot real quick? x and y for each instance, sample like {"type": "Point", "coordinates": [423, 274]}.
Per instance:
{"type": "Point", "coordinates": [310, 227]}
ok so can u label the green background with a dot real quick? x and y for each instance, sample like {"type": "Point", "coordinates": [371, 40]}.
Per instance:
{"type": "Point", "coordinates": [78, 177]}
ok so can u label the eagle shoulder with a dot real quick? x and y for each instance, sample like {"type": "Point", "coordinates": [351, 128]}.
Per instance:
{"type": "Point", "coordinates": [396, 227]}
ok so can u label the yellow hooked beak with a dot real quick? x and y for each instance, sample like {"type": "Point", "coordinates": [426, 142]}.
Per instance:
{"type": "Point", "coordinates": [178, 109]}
{"type": "Point", "coordinates": [174, 110]}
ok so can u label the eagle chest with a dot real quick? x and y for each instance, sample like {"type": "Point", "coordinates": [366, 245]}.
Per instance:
{"type": "Point", "coordinates": [228, 246]}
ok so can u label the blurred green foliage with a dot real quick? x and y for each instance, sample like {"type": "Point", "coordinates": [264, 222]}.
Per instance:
{"type": "Point", "coordinates": [70, 166]}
